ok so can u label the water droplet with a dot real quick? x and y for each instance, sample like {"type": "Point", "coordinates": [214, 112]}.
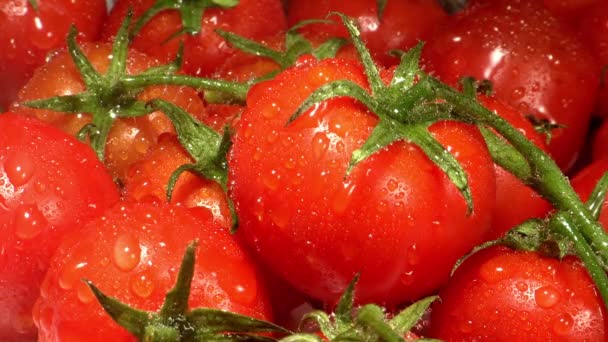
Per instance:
{"type": "Point", "coordinates": [563, 324]}
{"type": "Point", "coordinates": [392, 185]}
{"type": "Point", "coordinates": [29, 221]}
{"type": "Point", "coordinates": [70, 274]}
{"type": "Point", "coordinates": [407, 278]}
{"type": "Point", "coordinates": [466, 326]}
{"type": "Point", "coordinates": [280, 216]}
{"type": "Point", "coordinates": [413, 256]}
{"type": "Point", "coordinates": [127, 252]}
{"type": "Point", "coordinates": [141, 143]}
{"type": "Point", "coordinates": [84, 293]}
{"type": "Point", "coordinates": [521, 286]}
{"type": "Point", "coordinates": [104, 262]}
{"type": "Point", "coordinates": [320, 144]}
{"type": "Point", "coordinates": [142, 285]}
{"type": "Point", "coordinates": [19, 168]}
{"type": "Point", "coordinates": [258, 209]}
{"type": "Point", "coordinates": [342, 197]}
{"type": "Point", "coordinates": [518, 93]}
{"type": "Point", "coordinates": [271, 179]}
{"type": "Point", "coordinates": [491, 272]}
{"type": "Point", "coordinates": [546, 296]}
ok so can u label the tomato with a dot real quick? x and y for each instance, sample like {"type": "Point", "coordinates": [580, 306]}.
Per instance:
{"type": "Point", "coordinates": [502, 295]}
{"type": "Point", "coordinates": [599, 148]}
{"type": "Point", "coordinates": [51, 185]}
{"type": "Point", "coordinates": [204, 51]}
{"type": "Point", "coordinates": [147, 180]}
{"type": "Point", "coordinates": [570, 10]}
{"type": "Point", "coordinates": [594, 28]}
{"type": "Point", "coordinates": [396, 219]}
{"type": "Point", "coordinates": [27, 35]}
{"type": "Point", "coordinates": [402, 25]}
{"type": "Point", "coordinates": [133, 253]}
{"type": "Point", "coordinates": [515, 202]}
{"type": "Point", "coordinates": [536, 64]}
{"type": "Point", "coordinates": [130, 138]}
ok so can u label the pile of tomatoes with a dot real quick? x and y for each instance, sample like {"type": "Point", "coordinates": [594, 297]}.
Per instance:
{"type": "Point", "coordinates": [316, 156]}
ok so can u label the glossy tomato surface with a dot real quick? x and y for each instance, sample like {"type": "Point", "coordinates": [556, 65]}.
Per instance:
{"type": "Point", "coordinates": [28, 34]}
{"type": "Point", "coordinates": [535, 63]}
{"type": "Point", "coordinates": [50, 184]}
{"type": "Point", "coordinates": [502, 295]}
{"type": "Point", "coordinates": [133, 253]}
{"type": "Point", "coordinates": [204, 51]}
{"type": "Point", "coordinates": [396, 218]}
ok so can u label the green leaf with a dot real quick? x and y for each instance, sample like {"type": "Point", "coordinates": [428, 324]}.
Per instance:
{"type": "Point", "coordinates": [322, 320]}
{"type": "Point", "coordinates": [384, 134]}
{"type": "Point", "coordinates": [335, 89]}
{"type": "Point", "coordinates": [344, 309]}
{"type": "Point", "coordinates": [301, 338]}
{"type": "Point", "coordinates": [34, 4]}
{"type": "Point", "coordinates": [118, 63]}
{"type": "Point", "coordinates": [380, 6]}
{"type": "Point", "coordinates": [372, 317]}
{"type": "Point", "coordinates": [406, 319]}
{"type": "Point", "coordinates": [373, 75]}
{"type": "Point", "coordinates": [506, 156]}
{"type": "Point", "coordinates": [226, 3]}
{"type": "Point", "coordinates": [251, 46]}
{"type": "Point", "coordinates": [176, 300]}
{"type": "Point", "coordinates": [134, 321]}
{"type": "Point", "coordinates": [419, 135]}
{"type": "Point", "coordinates": [217, 321]}
{"type": "Point", "coordinates": [408, 68]}
{"type": "Point", "coordinates": [90, 76]}
{"type": "Point", "coordinates": [330, 48]}
{"type": "Point", "coordinates": [598, 196]}
{"type": "Point", "coordinates": [79, 103]}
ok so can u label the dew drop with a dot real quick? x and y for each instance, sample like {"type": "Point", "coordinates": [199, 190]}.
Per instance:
{"type": "Point", "coordinates": [84, 294]}
{"type": "Point", "coordinates": [342, 197]}
{"type": "Point", "coordinates": [127, 252]}
{"type": "Point", "coordinates": [271, 179]}
{"type": "Point", "coordinates": [521, 286]}
{"type": "Point", "coordinates": [546, 296]}
{"type": "Point", "coordinates": [70, 274]}
{"type": "Point", "coordinates": [29, 221]}
{"type": "Point", "coordinates": [407, 278]}
{"type": "Point", "coordinates": [258, 209]}
{"type": "Point", "coordinates": [491, 272]}
{"type": "Point", "coordinates": [280, 217]}
{"type": "Point", "coordinates": [563, 324]}
{"type": "Point", "coordinates": [413, 256]}
{"type": "Point", "coordinates": [19, 168]}
{"type": "Point", "coordinates": [518, 93]}
{"type": "Point", "coordinates": [320, 144]}
{"type": "Point", "coordinates": [141, 143]}
{"type": "Point", "coordinates": [466, 326]}
{"type": "Point", "coordinates": [142, 285]}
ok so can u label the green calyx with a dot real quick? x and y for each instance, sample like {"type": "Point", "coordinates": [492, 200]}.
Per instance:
{"type": "Point", "coordinates": [175, 322]}
{"type": "Point", "coordinates": [113, 95]}
{"type": "Point", "coordinates": [405, 108]}
{"type": "Point", "coordinates": [544, 126]}
{"type": "Point", "coordinates": [368, 323]}
{"type": "Point", "coordinates": [191, 12]}
{"type": "Point", "coordinates": [207, 147]}
{"type": "Point", "coordinates": [34, 4]}
{"type": "Point", "coordinates": [296, 45]}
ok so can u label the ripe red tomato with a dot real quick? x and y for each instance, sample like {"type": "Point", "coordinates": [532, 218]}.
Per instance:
{"type": "Point", "coordinates": [503, 295]}
{"type": "Point", "coordinates": [204, 51]}
{"type": "Point", "coordinates": [396, 218]}
{"type": "Point", "coordinates": [133, 253]}
{"type": "Point", "coordinates": [130, 138]}
{"type": "Point", "coordinates": [570, 10]}
{"type": "Point", "coordinates": [600, 143]}
{"type": "Point", "coordinates": [594, 29]}
{"type": "Point", "coordinates": [403, 23]}
{"type": "Point", "coordinates": [50, 184]}
{"type": "Point", "coordinates": [147, 181]}
{"type": "Point", "coordinates": [536, 64]}
{"type": "Point", "coordinates": [27, 35]}
{"type": "Point", "coordinates": [515, 202]}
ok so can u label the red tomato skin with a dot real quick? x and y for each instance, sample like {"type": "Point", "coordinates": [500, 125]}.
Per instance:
{"type": "Point", "coordinates": [515, 201]}
{"type": "Point", "coordinates": [51, 184]}
{"type": "Point", "coordinates": [503, 295]}
{"type": "Point", "coordinates": [147, 181]}
{"type": "Point", "coordinates": [396, 218]}
{"type": "Point", "coordinates": [594, 29]}
{"type": "Point", "coordinates": [130, 138]}
{"type": "Point", "coordinates": [404, 23]}
{"type": "Point", "coordinates": [205, 51]}
{"type": "Point", "coordinates": [157, 236]}
{"type": "Point", "coordinates": [539, 67]}
{"type": "Point", "coordinates": [569, 10]}
{"type": "Point", "coordinates": [599, 148]}
{"type": "Point", "coordinates": [27, 35]}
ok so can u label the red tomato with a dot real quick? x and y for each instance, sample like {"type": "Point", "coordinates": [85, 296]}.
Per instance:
{"type": "Point", "coordinates": [205, 51]}
{"type": "Point", "coordinates": [594, 29]}
{"type": "Point", "coordinates": [147, 180]}
{"type": "Point", "coordinates": [569, 10]}
{"type": "Point", "coordinates": [130, 138]}
{"type": "Point", "coordinates": [51, 184]}
{"type": "Point", "coordinates": [515, 202]}
{"type": "Point", "coordinates": [585, 181]}
{"type": "Point", "coordinates": [600, 143]}
{"type": "Point", "coordinates": [27, 35]}
{"type": "Point", "coordinates": [535, 63]}
{"type": "Point", "coordinates": [502, 295]}
{"type": "Point", "coordinates": [133, 253]}
{"type": "Point", "coordinates": [396, 218]}
{"type": "Point", "coordinates": [403, 23]}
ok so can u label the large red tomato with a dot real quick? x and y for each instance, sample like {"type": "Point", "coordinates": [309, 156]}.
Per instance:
{"type": "Point", "coordinates": [535, 63]}
{"type": "Point", "coordinates": [50, 184]}
{"type": "Point", "coordinates": [397, 219]}
{"type": "Point", "coordinates": [28, 34]}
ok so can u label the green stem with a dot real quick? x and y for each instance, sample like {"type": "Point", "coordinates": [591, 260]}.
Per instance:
{"type": "Point", "coordinates": [238, 91]}
{"type": "Point", "coordinates": [102, 123]}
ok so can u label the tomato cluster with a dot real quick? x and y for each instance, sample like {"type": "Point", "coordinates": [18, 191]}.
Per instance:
{"type": "Point", "coordinates": [229, 169]}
